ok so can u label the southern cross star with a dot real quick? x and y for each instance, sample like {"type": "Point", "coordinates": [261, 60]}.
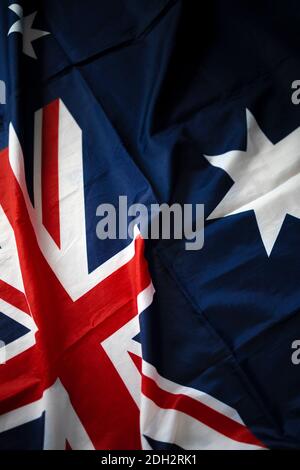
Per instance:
{"type": "Point", "coordinates": [24, 26]}
{"type": "Point", "coordinates": [266, 180]}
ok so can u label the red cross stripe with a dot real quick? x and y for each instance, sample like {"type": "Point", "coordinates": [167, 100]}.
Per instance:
{"type": "Point", "coordinates": [69, 334]}
{"type": "Point", "coordinates": [80, 353]}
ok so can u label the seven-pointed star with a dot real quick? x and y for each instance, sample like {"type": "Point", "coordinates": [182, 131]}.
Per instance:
{"type": "Point", "coordinates": [266, 180]}
{"type": "Point", "coordinates": [24, 26]}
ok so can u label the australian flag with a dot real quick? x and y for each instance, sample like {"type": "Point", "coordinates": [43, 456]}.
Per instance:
{"type": "Point", "coordinates": [135, 343]}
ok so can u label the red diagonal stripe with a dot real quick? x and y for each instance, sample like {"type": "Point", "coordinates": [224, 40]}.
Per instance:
{"type": "Point", "coordinates": [23, 380]}
{"type": "Point", "coordinates": [13, 296]}
{"type": "Point", "coordinates": [203, 413]}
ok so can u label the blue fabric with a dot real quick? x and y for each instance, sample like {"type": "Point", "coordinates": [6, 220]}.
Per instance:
{"type": "Point", "coordinates": [29, 436]}
{"type": "Point", "coordinates": [10, 330]}
{"type": "Point", "coordinates": [155, 85]}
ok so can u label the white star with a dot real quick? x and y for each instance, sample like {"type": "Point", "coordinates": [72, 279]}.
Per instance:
{"type": "Point", "coordinates": [24, 26]}
{"type": "Point", "coordinates": [266, 180]}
